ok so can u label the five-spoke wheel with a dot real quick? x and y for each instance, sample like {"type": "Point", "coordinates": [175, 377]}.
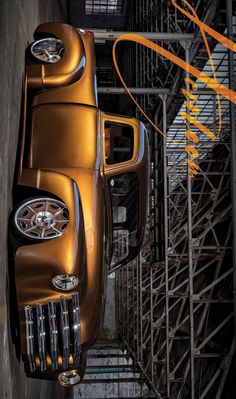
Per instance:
{"type": "Point", "coordinates": [49, 50]}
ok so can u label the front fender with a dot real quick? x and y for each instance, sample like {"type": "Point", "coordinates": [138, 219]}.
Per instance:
{"type": "Point", "coordinates": [69, 69]}
{"type": "Point", "coordinates": [36, 264]}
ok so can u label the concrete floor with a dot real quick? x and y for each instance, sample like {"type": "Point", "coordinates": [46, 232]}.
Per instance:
{"type": "Point", "coordinates": [18, 19]}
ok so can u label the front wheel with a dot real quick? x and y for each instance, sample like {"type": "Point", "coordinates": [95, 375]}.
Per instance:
{"type": "Point", "coordinates": [48, 50]}
{"type": "Point", "coordinates": [38, 219]}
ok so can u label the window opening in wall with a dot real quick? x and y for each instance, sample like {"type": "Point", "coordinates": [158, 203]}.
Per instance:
{"type": "Point", "coordinates": [103, 7]}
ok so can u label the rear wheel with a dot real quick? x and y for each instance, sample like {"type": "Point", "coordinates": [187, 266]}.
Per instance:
{"type": "Point", "coordinates": [40, 218]}
{"type": "Point", "coordinates": [48, 50]}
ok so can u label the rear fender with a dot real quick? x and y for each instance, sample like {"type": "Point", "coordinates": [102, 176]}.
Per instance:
{"type": "Point", "coordinates": [69, 69]}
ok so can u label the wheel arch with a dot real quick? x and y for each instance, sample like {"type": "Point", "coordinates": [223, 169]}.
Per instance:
{"type": "Point", "coordinates": [22, 192]}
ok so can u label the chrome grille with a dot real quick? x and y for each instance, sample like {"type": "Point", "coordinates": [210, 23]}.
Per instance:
{"type": "Point", "coordinates": [30, 336]}
{"type": "Point", "coordinates": [53, 331]}
{"type": "Point", "coordinates": [41, 335]}
{"type": "Point", "coordinates": [65, 329]}
{"type": "Point", "coordinates": [76, 326]}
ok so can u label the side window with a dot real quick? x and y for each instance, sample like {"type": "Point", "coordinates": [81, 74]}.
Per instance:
{"type": "Point", "coordinates": [119, 142]}
{"type": "Point", "coordinates": [124, 194]}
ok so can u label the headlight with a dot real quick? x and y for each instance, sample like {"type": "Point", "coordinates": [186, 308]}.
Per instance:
{"type": "Point", "coordinates": [69, 378]}
{"type": "Point", "coordinates": [65, 282]}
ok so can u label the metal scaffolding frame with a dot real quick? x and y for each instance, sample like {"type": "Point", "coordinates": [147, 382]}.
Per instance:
{"type": "Point", "coordinates": [176, 301]}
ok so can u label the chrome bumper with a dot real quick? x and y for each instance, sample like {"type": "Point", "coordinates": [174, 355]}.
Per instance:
{"type": "Point", "coordinates": [53, 334]}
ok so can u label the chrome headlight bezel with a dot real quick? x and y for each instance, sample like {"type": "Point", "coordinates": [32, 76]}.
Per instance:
{"type": "Point", "coordinates": [69, 378]}
{"type": "Point", "coordinates": [65, 282]}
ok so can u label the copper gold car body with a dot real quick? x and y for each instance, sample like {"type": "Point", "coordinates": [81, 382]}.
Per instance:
{"type": "Point", "coordinates": [81, 167]}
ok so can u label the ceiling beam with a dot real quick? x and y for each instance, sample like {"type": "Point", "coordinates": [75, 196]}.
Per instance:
{"type": "Point", "coordinates": [148, 90]}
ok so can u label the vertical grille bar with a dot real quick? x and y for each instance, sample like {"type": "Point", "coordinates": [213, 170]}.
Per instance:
{"type": "Point", "coordinates": [30, 336]}
{"type": "Point", "coordinates": [41, 335]}
{"type": "Point", "coordinates": [65, 331]}
{"type": "Point", "coordinates": [76, 327]}
{"type": "Point", "coordinates": [53, 333]}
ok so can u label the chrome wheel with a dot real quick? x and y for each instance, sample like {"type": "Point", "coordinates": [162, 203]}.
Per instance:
{"type": "Point", "coordinates": [41, 218]}
{"type": "Point", "coordinates": [48, 50]}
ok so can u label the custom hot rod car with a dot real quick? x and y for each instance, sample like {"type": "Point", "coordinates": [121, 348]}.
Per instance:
{"type": "Point", "coordinates": [81, 189]}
